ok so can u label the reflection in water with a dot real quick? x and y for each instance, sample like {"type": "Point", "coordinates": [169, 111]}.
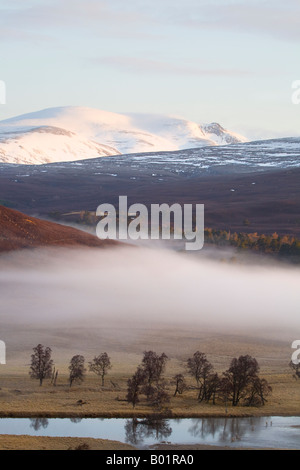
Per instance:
{"type": "Point", "coordinates": [132, 432]}
{"type": "Point", "coordinates": [137, 431]}
{"type": "Point", "coordinates": [38, 423]}
{"type": "Point", "coordinates": [259, 432]}
{"type": "Point", "coordinates": [221, 428]}
{"type": "Point", "coordinates": [75, 420]}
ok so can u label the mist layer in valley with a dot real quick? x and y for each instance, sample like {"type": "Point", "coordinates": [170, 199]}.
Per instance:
{"type": "Point", "coordinates": [127, 300]}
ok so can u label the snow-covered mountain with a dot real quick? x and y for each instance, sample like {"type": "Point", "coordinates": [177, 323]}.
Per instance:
{"type": "Point", "coordinates": [48, 144]}
{"type": "Point", "coordinates": [76, 133]}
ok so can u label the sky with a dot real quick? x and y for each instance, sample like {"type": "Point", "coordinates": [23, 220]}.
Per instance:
{"type": "Point", "coordinates": [232, 62]}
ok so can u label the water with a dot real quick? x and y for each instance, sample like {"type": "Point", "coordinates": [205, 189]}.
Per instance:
{"type": "Point", "coordinates": [259, 432]}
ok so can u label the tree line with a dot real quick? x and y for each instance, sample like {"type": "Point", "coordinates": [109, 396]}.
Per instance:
{"type": "Point", "coordinates": [240, 384]}
{"type": "Point", "coordinates": [42, 366]}
{"type": "Point", "coordinates": [283, 246]}
{"type": "Point", "coordinates": [287, 246]}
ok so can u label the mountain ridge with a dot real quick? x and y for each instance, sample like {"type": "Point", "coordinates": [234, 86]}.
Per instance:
{"type": "Point", "coordinates": [74, 133]}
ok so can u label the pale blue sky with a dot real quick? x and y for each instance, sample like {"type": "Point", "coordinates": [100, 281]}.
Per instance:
{"type": "Point", "coordinates": [205, 60]}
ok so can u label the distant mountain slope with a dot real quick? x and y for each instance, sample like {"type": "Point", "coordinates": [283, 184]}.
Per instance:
{"type": "Point", "coordinates": [257, 182]}
{"type": "Point", "coordinates": [19, 231]}
{"type": "Point", "coordinates": [48, 144]}
{"type": "Point", "coordinates": [76, 133]}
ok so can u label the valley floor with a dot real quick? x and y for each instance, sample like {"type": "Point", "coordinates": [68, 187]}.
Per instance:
{"type": "Point", "coordinates": [22, 397]}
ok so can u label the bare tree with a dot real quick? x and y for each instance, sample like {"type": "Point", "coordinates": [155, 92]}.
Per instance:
{"type": "Point", "coordinates": [239, 376]}
{"type": "Point", "coordinates": [200, 368]}
{"type": "Point", "coordinates": [296, 369]}
{"type": "Point", "coordinates": [224, 391]}
{"type": "Point", "coordinates": [213, 386]}
{"type": "Point", "coordinates": [134, 386]}
{"type": "Point", "coordinates": [159, 396]}
{"type": "Point", "coordinates": [38, 423]}
{"type": "Point", "coordinates": [55, 378]}
{"type": "Point", "coordinates": [41, 363]}
{"type": "Point", "coordinates": [154, 365]}
{"type": "Point", "coordinates": [100, 365]}
{"type": "Point", "coordinates": [180, 384]}
{"type": "Point", "coordinates": [77, 369]}
{"type": "Point", "coordinates": [148, 390]}
{"type": "Point", "coordinates": [53, 375]}
{"type": "Point", "coordinates": [258, 391]}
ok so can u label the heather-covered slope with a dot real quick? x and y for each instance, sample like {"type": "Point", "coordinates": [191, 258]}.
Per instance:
{"type": "Point", "coordinates": [19, 231]}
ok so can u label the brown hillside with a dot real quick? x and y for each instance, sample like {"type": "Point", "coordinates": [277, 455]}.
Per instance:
{"type": "Point", "coordinates": [18, 231]}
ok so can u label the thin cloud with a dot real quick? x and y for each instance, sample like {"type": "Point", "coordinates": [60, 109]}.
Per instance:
{"type": "Point", "coordinates": [281, 20]}
{"type": "Point", "coordinates": [56, 18]}
{"type": "Point", "coordinates": [140, 65]}
{"type": "Point", "coordinates": [134, 18]}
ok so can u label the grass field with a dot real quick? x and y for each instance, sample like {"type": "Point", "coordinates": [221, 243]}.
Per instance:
{"type": "Point", "coordinates": [58, 443]}
{"type": "Point", "coordinates": [22, 396]}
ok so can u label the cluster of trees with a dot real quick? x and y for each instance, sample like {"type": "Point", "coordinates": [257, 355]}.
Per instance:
{"type": "Point", "coordinates": [42, 366]}
{"type": "Point", "coordinates": [239, 384]}
{"type": "Point", "coordinates": [148, 381]}
{"type": "Point", "coordinates": [286, 245]}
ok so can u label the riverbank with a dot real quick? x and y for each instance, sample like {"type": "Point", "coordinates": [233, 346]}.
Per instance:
{"type": "Point", "coordinates": [21, 396]}
{"type": "Point", "coordinates": [25, 442]}
{"type": "Point", "coordinates": [73, 443]}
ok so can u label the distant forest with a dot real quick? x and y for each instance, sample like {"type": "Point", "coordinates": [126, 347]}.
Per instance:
{"type": "Point", "coordinates": [285, 246]}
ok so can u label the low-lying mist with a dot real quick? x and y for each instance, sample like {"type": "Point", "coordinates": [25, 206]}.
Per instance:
{"type": "Point", "coordinates": [141, 287]}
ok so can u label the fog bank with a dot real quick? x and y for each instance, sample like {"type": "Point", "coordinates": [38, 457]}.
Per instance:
{"type": "Point", "coordinates": [140, 287]}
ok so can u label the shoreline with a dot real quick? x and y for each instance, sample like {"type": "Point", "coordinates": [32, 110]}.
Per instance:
{"type": "Point", "coordinates": [139, 415]}
{"type": "Point", "coordinates": [27, 442]}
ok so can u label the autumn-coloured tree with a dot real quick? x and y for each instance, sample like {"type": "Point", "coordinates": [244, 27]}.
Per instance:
{"type": "Point", "coordinates": [41, 363]}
